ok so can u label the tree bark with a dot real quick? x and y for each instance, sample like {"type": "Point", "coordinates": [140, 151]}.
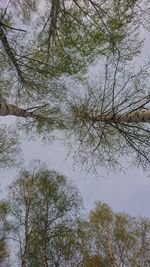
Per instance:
{"type": "Point", "coordinates": [9, 109]}
{"type": "Point", "coordinates": [132, 117]}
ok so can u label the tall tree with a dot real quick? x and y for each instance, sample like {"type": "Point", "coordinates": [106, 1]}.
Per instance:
{"type": "Point", "coordinates": [111, 120]}
{"type": "Point", "coordinates": [117, 239]}
{"type": "Point", "coordinates": [109, 117]}
{"type": "Point", "coordinates": [45, 208]}
{"type": "Point", "coordinates": [4, 230]}
{"type": "Point", "coordinates": [73, 36]}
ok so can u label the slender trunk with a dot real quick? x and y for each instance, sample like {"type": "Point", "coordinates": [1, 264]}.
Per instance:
{"type": "Point", "coordinates": [109, 248]}
{"type": "Point", "coordinates": [46, 234]}
{"type": "Point", "coordinates": [10, 54]}
{"type": "Point", "coordinates": [53, 22]}
{"type": "Point", "coordinates": [8, 109]}
{"type": "Point", "coordinates": [26, 232]}
{"type": "Point", "coordinates": [24, 260]}
{"type": "Point", "coordinates": [54, 17]}
{"type": "Point", "coordinates": [132, 117]}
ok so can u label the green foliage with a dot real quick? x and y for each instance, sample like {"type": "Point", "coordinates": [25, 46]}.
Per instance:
{"type": "Point", "coordinates": [85, 32]}
{"type": "Point", "coordinates": [47, 227]}
{"type": "Point", "coordinates": [102, 214]}
{"type": "Point", "coordinates": [117, 238]}
{"type": "Point", "coordinates": [117, 89]}
{"type": "Point", "coordinates": [4, 230]}
{"type": "Point", "coordinates": [9, 147]}
{"type": "Point", "coordinates": [45, 207]}
{"type": "Point", "coordinates": [64, 40]}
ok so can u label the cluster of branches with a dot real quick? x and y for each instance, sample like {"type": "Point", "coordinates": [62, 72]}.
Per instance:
{"type": "Point", "coordinates": [110, 118]}
{"type": "Point", "coordinates": [72, 36]}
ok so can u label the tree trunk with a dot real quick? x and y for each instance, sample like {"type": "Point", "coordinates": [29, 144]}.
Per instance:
{"type": "Point", "coordinates": [10, 54]}
{"type": "Point", "coordinates": [24, 261]}
{"type": "Point", "coordinates": [132, 117]}
{"type": "Point", "coordinates": [8, 109]}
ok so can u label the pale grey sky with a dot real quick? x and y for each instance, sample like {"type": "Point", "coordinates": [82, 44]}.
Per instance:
{"type": "Point", "coordinates": [129, 192]}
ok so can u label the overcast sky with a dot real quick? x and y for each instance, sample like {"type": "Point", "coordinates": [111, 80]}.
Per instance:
{"type": "Point", "coordinates": [128, 192]}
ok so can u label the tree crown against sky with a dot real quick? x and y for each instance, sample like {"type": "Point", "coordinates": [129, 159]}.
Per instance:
{"type": "Point", "coordinates": [44, 217]}
{"type": "Point", "coordinates": [117, 239]}
{"type": "Point", "coordinates": [50, 53]}
{"type": "Point", "coordinates": [45, 209]}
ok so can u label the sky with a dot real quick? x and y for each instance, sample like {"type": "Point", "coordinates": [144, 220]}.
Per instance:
{"type": "Point", "coordinates": [129, 192]}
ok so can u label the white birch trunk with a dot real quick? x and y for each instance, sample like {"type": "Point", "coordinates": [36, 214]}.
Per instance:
{"type": "Point", "coordinates": [8, 109]}
{"type": "Point", "coordinates": [132, 117]}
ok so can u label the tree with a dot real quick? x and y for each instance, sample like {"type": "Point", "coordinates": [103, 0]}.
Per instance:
{"type": "Point", "coordinates": [80, 31]}
{"type": "Point", "coordinates": [4, 230]}
{"type": "Point", "coordinates": [9, 147]}
{"type": "Point", "coordinates": [117, 239]}
{"type": "Point", "coordinates": [72, 36]}
{"type": "Point", "coordinates": [48, 229]}
{"type": "Point", "coordinates": [94, 261]}
{"type": "Point", "coordinates": [109, 118]}
{"type": "Point", "coordinates": [108, 122]}
{"type": "Point", "coordinates": [45, 208]}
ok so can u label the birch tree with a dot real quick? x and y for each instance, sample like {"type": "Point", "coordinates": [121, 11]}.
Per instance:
{"type": "Point", "coordinates": [4, 230]}
{"type": "Point", "coordinates": [45, 208]}
{"type": "Point", "coordinates": [75, 33]}
{"type": "Point", "coordinates": [72, 36]}
{"type": "Point", "coordinates": [109, 119]}
{"type": "Point", "coordinates": [117, 239]}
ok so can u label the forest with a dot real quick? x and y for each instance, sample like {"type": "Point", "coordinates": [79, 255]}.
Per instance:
{"type": "Point", "coordinates": [76, 72]}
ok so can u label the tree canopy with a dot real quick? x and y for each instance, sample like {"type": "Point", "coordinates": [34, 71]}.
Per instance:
{"type": "Point", "coordinates": [45, 65]}
{"type": "Point", "coordinates": [44, 207]}
{"type": "Point", "coordinates": [119, 239]}
{"type": "Point", "coordinates": [73, 69]}
{"type": "Point", "coordinates": [44, 218]}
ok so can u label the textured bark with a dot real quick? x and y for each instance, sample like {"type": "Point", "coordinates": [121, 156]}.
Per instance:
{"type": "Point", "coordinates": [8, 109]}
{"type": "Point", "coordinates": [54, 17]}
{"type": "Point", "coordinates": [53, 22]}
{"type": "Point", "coordinates": [132, 117]}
